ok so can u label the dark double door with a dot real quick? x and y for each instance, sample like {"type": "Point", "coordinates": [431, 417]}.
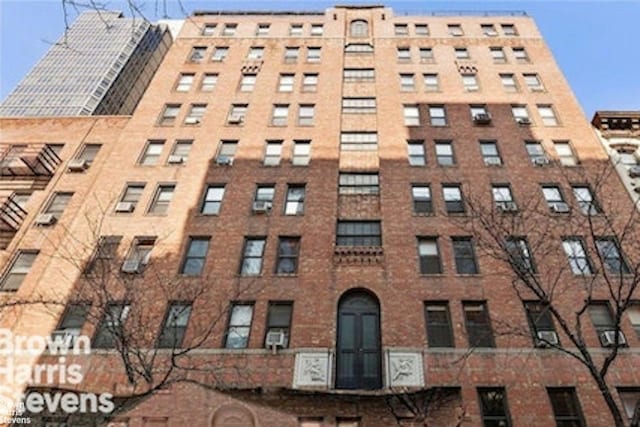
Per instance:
{"type": "Point", "coordinates": [358, 357]}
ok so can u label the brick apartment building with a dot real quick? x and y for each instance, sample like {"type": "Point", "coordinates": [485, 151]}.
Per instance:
{"type": "Point", "coordinates": [291, 202]}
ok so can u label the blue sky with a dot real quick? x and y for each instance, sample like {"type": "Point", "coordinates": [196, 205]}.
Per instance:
{"type": "Point", "coordinates": [596, 43]}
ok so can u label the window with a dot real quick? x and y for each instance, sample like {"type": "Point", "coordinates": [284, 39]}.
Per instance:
{"type": "Point", "coordinates": [508, 83]}
{"type": "Point", "coordinates": [533, 82]}
{"type": "Point", "coordinates": [509, 29]}
{"type": "Point", "coordinates": [301, 153]}
{"type": "Point", "coordinates": [280, 113]}
{"type": "Point", "coordinates": [541, 324]}
{"type": "Point", "coordinates": [403, 54]}
{"type": "Point", "coordinates": [310, 82]}
{"type": "Point", "coordinates": [103, 255]}
{"type": "Point", "coordinates": [279, 319]}
{"type": "Point", "coordinates": [358, 75]}
{"type": "Point", "coordinates": [180, 152]}
{"type": "Point", "coordinates": [265, 193]}
{"type": "Point", "coordinates": [555, 201]}
{"type": "Point", "coordinates": [464, 255]}
{"type": "Point", "coordinates": [197, 54]}
{"type": "Point", "coordinates": [262, 30]}
{"type": "Point", "coordinates": [291, 54]}
{"type": "Point", "coordinates": [58, 204]}
{"type": "Point", "coordinates": [252, 254]}
{"type": "Point", "coordinates": [520, 54]}
{"type": "Point", "coordinates": [15, 275]}
{"type": "Point", "coordinates": [493, 403]}
{"type": "Point", "coordinates": [520, 255]}
{"type": "Point", "coordinates": [175, 325]}
{"type": "Point", "coordinates": [272, 153]}
{"type": "Point", "coordinates": [295, 29]}
{"type": "Point", "coordinates": [359, 28]}
{"type": "Point", "coordinates": [416, 153]}
{"type": "Point", "coordinates": [131, 196]}
{"type": "Point", "coordinates": [256, 53]}
{"type": "Point", "coordinates": [110, 328]}
{"type": "Point", "coordinates": [247, 83]}
{"type": "Point", "coordinates": [488, 30]}
{"type": "Point", "coordinates": [21, 199]}
{"type": "Point", "coordinates": [476, 319]}
{"type": "Point", "coordinates": [422, 29]}
{"type": "Point", "coordinates": [577, 256]}
{"type": "Point", "coordinates": [226, 152]}
{"type": "Point", "coordinates": [584, 197]}
{"type": "Point", "coordinates": [358, 105]}
{"type": "Point", "coordinates": [431, 83]}
{"type": "Point", "coordinates": [426, 55]}
{"type": "Point", "coordinates": [212, 200]}
{"type": "Point", "coordinates": [348, 422]}
{"type": "Point", "coordinates": [422, 203]}
{"type": "Point", "coordinates": [240, 317]}
{"type": "Point", "coordinates": [358, 233]}
{"type": "Point", "coordinates": [195, 256]}
{"type": "Point", "coordinates": [294, 205]}
{"type": "Point", "coordinates": [630, 398]}
{"type": "Point", "coordinates": [438, 115]}
{"type": "Point", "coordinates": [162, 199]}
{"type": "Point", "coordinates": [548, 115]}
{"type": "Point", "coordinates": [195, 114]}
{"type": "Point", "coordinates": [88, 153]}
{"type": "Point", "coordinates": [444, 153]}
{"type": "Point", "coordinates": [497, 54]}
{"type": "Point", "coordinates": [602, 320]}
{"type": "Point", "coordinates": [357, 141]}
{"type": "Point", "coordinates": [461, 53]}
{"type": "Point", "coordinates": [411, 115]}
{"type": "Point", "coordinates": [611, 256]}
{"type": "Point", "coordinates": [209, 81]}
{"type": "Point", "coordinates": [317, 29]}
{"type": "Point", "coordinates": [219, 53]}
{"type": "Point", "coordinates": [453, 198]}
{"type": "Point", "coordinates": [455, 30]}
{"type": "Point", "coordinates": [358, 49]}
{"type": "Point", "coordinates": [429, 255]}
{"type": "Point", "coordinates": [502, 194]}
{"type": "Point", "coordinates": [626, 156]}
{"type": "Point", "coordinates": [479, 114]}
{"type": "Point", "coordinates": [151, 153]}
{"type": "Point", "coordinates": [185, 81]}
{"type": "Point", "coordinates": [229, 29]}
{"type": "Point", "coordinates": [358, 183]}
{"type": "Point", "coordinates": [237, 114]}
{"type": "Point", "coordinates": [566, 408]}
{"type": "Point", "coordinates": [401, 29]}
{"type": "Point", "coordinates": [288, 254]}
{"type": "Point", "coordinates": [407, 83]}
{"type": "Point", "coordinates": [305, 114]}
{"type": "Point", "coordinates": [565, 153]}
{"type": "Point", "coordinates": [71, 323]}
{"type": "Point", "coordinates": [536, 152]}
{"type": "Point", "coordinates": [169, 114]}
{"type": "Point", "coordinates": [520, 114]}
{"type": "Point", "coordinates": [490, 153]}
{"type": "Point", "coordinates": [438, 321]}
{"type": "Point", "coordinates": [286, 83]}
{"type": "Point", "coordinates": [140, 253]}
{"type": "Point", "coordinates": [313, 54]}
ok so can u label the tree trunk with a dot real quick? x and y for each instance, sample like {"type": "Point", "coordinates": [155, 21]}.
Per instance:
{"type": "Point", "coordinates": [610, 401]}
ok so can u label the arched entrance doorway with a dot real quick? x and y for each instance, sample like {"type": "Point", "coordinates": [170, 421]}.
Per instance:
{"type": "Point", "coordinates": [358, 358]}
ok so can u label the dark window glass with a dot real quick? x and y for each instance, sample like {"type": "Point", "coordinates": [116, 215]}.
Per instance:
{"type": "Point", "coordinates": [478, 325]}
{"type": "Point", "coordinates": [439, 333]}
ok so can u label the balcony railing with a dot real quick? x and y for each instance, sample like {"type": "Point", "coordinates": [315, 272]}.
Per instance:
{"type": "Point", "coordinates": [11, 214]}
{"type": "Point", "coordinates": [30, 160]}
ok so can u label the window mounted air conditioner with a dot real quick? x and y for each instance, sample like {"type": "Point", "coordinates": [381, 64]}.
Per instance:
{"type": "Point", "coordinates": [45, 219]}
{"type": "Point", "coordinates": [608, 338]}
{"type": "Point", "coordinates": [524, 121]}
{"type": "Point", "coordinates": [540, 161]}
{"type": "Point", "coordinates": [508, 206]}
{"type": "Point", "coordinates": [77, 165]}
{"type": "Point", "coordinates": [175, 160]}
{"type": "Point", "coordinates": [192, 121]}
{"type": "Point", "coordinates": [492, 161]}
{"type": "Point", "coordinates": [275, 339]}
{"type": "Point", "coordinates": [132, 266]}
{"type": "Point", "coordinates": [560, 207]}
{"type": "Point", "coordinates": [547, 338]}
{"type": "Point", "coordinates": [261, 206]}
{"type": "Point", "coordinates": [224, 160]}
{"type": "Point", "coordinates": [634, 172]}
{"type": "Point", "coordinates": [235, 120]}
{"type": "Point", "coordinates": [482, 119]}
{"type": "Point", "coordinates": [125, 207]}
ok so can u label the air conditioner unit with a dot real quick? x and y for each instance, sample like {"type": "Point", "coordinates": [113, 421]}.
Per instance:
{"type": "Point", "coordinates": [483, 118]}
{"type": "Point", "coordinates": [275, 339]}
{"type": "Point", "coordinates": [491, 33]}
{"type": "Point", "coordinates": [560, 207]}
{"type": "Point", "coordinates": [608, 338]}
{"type": "Point", "coordinates": [547, 338]}
{"type": "Point", "coordinates": [524, 121]}
{"type": "Point", "coordinates": [217, 59]}
{"type": "Point", "coordinates": [492, 161]}
{"type": "Point", "coordinates": [224, 160]}
{"type": "Point", "coordinates": [132, 266]}
{"type": "Point", "coordinates": [175, 160]}
{"type": "Point", "coordinates": [508, 206]}
{"type": "Point", "coordinates": [634, 172]}
{"type": "Point", "coordinates": [77, 165]}
{"type": "Point", "coordinates": [125, 207]}
{"type": "Point", "coordinates": [65, 337]}
{"type": "Point", "coordinates": [235, 120]}
{"type": "Point", "coordinates": [540, 161]}
{"type": "Point", "coordinates": [45, 219]}
{"type": "Point", "coordinates": [261, 206]}
{"type": "Point", "coordinates": [192, 120]}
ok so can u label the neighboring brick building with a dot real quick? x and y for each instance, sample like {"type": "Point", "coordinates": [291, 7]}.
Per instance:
{"type": "Point", "coordinates": [313, 170]}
